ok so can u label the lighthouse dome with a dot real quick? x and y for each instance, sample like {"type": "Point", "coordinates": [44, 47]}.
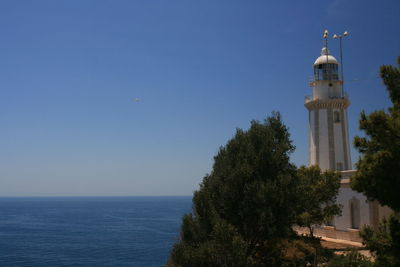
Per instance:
{"type": "Point", "coordinates": [325, 58]}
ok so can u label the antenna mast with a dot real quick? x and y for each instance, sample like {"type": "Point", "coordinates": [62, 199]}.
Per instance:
{"type": "Point", "coordinates": [341, 55]}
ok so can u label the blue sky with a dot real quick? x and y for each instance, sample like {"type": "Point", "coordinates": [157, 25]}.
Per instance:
{"type": "Point", "coordinates": [70, 71]}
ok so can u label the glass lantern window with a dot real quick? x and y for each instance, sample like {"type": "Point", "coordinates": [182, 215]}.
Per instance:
{"type": "Point", "coordinates": [327, 71]}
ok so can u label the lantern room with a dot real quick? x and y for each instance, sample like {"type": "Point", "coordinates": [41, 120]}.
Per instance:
{"type": "Point", "coordinates": [326, 67]}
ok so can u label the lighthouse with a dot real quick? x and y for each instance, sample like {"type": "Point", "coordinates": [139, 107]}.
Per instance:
{"type": "Point", "coordinates": [328, 126]}
{"type": "Point", "coordinates": [329, 148]}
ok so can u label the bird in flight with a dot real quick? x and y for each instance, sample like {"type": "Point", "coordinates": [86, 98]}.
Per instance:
{"type": "Point", "coordinates": [136, 99]}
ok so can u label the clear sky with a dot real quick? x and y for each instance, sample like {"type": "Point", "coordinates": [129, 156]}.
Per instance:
{"type": "Point", "coordinates": [70, 72]}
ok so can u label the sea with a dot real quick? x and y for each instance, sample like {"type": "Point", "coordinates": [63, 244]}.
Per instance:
{"type": "Point", "coordinates": [89, 231]}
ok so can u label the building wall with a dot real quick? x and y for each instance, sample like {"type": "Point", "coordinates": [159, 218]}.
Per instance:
{"type": "Point", "coordinates": [312, 136]}
{"type": "Point", "coordinates": [338, 142]}
{"type": "Point", "coordinates": [346, 139]}
{"type": "Point", "coordinates": [345, 196]}
{"type": "Point", "coordinates": [370, 213]}
{"type": "Point", "coordinates": [323, 140]}
{"type": "Point", "coordinates": [328, 139]}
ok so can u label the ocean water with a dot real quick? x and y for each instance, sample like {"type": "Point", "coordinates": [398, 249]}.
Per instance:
{"type": "Point", "coordinates": [89, 231]}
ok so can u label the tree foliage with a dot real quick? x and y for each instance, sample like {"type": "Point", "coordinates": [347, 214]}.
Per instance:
{"type": "Point", "coordinates": [384, 241]}
{"type": "Point", "coordinates": [318, 197]}
{"type": "Point", "coordinates": [350, 259]}
{"type": "Point", "coordinates": [378, 175]}
{"type": "Point", "coordinates": [246, 206]}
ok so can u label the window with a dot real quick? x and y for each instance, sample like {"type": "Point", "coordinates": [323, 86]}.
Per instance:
{"type": "Point", "coordinates": [326, 71]}
{"type": "Point", "coordinates": [336, 116]}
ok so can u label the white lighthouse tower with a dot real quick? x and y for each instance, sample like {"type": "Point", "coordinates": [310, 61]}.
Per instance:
{"type": "Point", "coordinates": [329, 149]}
{"type": "Point", "coordinates": [328, 128]}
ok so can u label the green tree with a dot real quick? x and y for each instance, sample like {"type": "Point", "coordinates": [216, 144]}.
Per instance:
{"type": "Point", "coordinates": [319, 193]}
{"type": "Point", "coordinates": [350, 259]}
{"type": "Point", "coordinates": [246, 206]}
{"type": "Point", "coordinates": [378, 169]}
{"type": "Point", "coordinates": [378, 174]}
{"type": "Point", "coordinates": [384, 241]}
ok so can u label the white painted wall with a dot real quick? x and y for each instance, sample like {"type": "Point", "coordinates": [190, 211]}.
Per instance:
{"type": "Point", "coordinates": [344, 222]}
{"type": "Point", "coordinates": [338, 142]}
{"type": "Point", "coordinates": [323, 140]}
{"type": "Point", "coordinates": [346, 125]}
{"type": "Point", "coordinates": [323, 90]}
{"type": "Point", "coordinates": [312, 152]}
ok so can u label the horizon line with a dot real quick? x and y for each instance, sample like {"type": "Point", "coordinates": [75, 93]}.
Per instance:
{"type": "Point", "coordinates": [88, 196]}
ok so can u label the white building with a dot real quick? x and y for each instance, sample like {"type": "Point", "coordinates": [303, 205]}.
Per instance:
{"type": "Point", "coordinates": [329, 148]}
